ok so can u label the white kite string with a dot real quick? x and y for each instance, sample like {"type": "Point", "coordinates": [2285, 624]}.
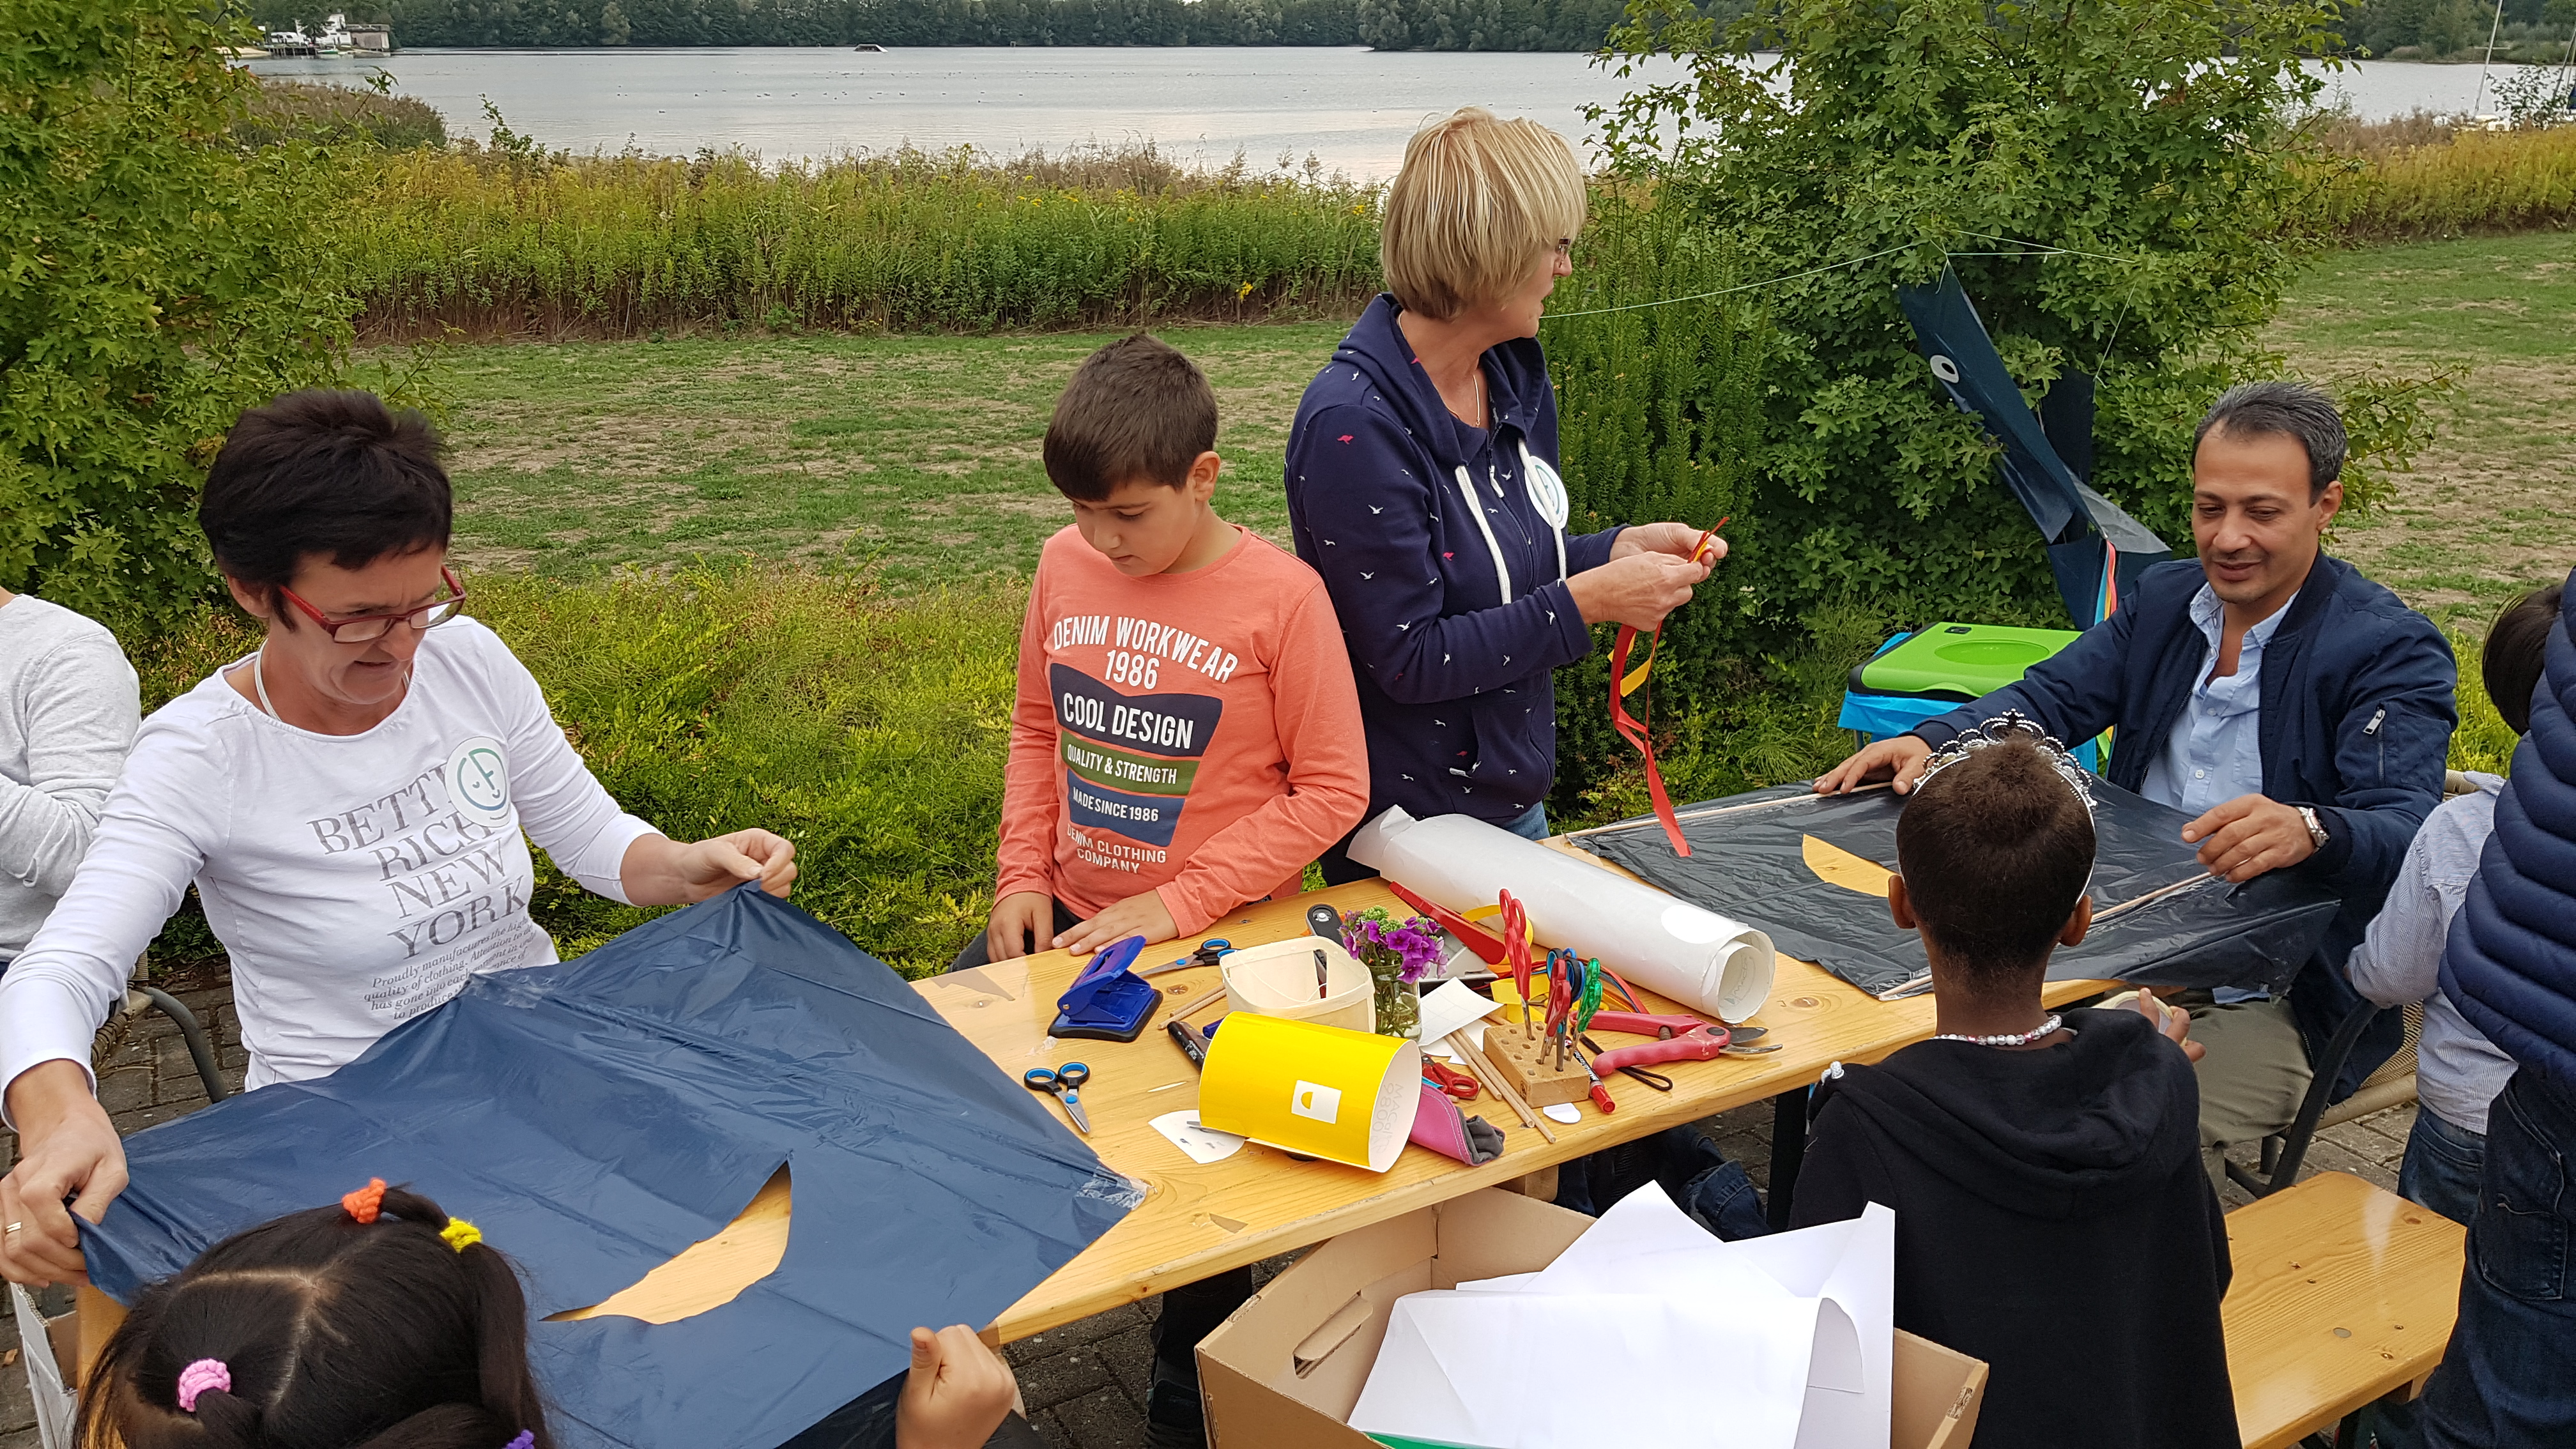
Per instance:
{"type": "Point", "coordinates": [2032, 249]}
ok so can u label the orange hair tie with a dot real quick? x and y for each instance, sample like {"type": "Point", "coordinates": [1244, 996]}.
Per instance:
{"type": "Point", "coordinates": [367, 1202]}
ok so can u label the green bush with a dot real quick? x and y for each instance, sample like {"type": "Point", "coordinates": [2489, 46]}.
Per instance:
{"type": "Point", "coordinates": [869, 730]}
{"type": "Point", "coordinates": [2144, 137]}
{"type": "Point", "coordinates": [155, 279]}
{"type": "Point", "coordinates": [1659, 416]}
{"type": "Point", "coordinates": [512, 239]}
{"type": "Point", "coordinates": [325, 114]}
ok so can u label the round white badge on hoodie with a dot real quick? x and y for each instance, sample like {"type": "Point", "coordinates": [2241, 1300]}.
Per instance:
{"type": "Point", "coordinates": [1546, 488]}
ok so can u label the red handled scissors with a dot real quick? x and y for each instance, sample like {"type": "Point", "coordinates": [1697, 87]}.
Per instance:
{"type": "Point", "coordinates": [1450, 1082]}
{"type": "Point", "coordinates": [1516, 951]}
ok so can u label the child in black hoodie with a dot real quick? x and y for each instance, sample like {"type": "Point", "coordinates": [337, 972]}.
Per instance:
{"type": "Point", "coordinates": [2052, 1217]}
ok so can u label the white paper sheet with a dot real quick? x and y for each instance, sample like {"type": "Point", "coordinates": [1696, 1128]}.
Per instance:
{"type": "Point", "coordinates": [1792, 1334]}
{"type": "Point", "coordinates": [1658, 941]}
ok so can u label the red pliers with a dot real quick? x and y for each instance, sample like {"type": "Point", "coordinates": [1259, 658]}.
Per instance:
{"type": "Point", "coordinates": [1705, 1043]}
{"type": "Point", "coordinates": [1450, 1081]}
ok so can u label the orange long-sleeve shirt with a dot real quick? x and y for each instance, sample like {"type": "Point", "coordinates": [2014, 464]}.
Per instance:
{"type": "Point", "coordinates": [1194, 734]}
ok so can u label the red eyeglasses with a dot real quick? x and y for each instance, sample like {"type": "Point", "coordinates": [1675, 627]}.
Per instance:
{"type": "Point", "coordinates": [360, 628]}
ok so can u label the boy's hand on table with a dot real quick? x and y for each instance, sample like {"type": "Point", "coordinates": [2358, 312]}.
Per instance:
{"type": "Point", "coordinates": [1138, 915]}
{"type": "Point", "coordinates": [68, 1146]}
{"type": "Point", "coordinates": [2244, 837]}
{"type": "Point", "coordinates": [957, 1393]}
{"type": "Point", "coordinates": [2172, 1021]}
{"type": "Point", "coordinates": [1899, 757]}
{"type": "Point", "coordinates": [1019, 919]}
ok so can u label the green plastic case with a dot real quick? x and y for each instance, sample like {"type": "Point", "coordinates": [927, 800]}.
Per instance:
{"type": "Point", "coordinates": [1957, 661]}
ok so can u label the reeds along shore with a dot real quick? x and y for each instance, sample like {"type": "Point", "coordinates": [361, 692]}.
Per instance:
{"type": "Point", "coordinates": [625, 245]}
{"type": "Point", "coordinates": [521, 243]}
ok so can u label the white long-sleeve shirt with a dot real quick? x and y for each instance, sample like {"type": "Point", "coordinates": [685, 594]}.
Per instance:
{"type": "Point", "coordinates": [355, 880]}
{"type": "Point", "coordinates": [68, 710]}
{"type": "Point", "coordinates": [2457, 1070]}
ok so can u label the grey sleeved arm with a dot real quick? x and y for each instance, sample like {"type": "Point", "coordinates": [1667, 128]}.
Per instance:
{"type": "Point", "coordinates": [78, 708]}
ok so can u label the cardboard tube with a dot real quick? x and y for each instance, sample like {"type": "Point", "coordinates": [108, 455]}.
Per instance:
{"type": "Point", "coordinates": [1694, 956]}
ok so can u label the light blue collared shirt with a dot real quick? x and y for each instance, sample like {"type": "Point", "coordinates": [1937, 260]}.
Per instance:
{"type": "Point", "coordinates": [2215, 752]}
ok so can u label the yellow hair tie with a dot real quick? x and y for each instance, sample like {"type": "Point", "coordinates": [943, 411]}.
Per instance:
{"type": "Point", "coordinates": [460, 1234]}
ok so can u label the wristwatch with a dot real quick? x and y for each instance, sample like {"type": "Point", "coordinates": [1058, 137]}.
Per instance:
{"type": "Point", "coordinates": [2316, 828]}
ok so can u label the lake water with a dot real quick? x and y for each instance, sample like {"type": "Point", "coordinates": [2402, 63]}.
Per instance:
{"type": "Point", "coordinates": [1351, 109]}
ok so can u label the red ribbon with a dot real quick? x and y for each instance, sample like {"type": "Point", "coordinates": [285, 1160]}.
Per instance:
{"type": "Point", "coordinates": [1633, 728]}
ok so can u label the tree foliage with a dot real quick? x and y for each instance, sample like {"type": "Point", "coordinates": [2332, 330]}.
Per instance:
{"type": "Point", "coordinates": [156, 277]}
{"type": "Point", "coordinates": [2149, 142]}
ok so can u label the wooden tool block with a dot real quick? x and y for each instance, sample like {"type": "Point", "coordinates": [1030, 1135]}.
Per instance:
{"type": "Point", "coordinates": [1530, 1065]}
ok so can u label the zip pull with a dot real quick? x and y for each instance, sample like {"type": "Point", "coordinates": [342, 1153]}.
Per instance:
{"type": "Point", "coordinates": [2377, 715]}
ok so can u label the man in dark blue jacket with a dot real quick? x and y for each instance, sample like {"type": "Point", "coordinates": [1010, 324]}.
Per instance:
{"type": "Point", "coordinates": [2298, 711]}
{"type": "Point", "coordinates": [2510, 1374]}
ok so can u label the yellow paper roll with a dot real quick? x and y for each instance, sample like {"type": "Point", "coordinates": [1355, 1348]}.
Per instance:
{"type": "Point", "coordinates": [1349, 1096]}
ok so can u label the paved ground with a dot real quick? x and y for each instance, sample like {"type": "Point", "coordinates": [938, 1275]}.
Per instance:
{"type": "Point", "coordinates": [1084, 1383]}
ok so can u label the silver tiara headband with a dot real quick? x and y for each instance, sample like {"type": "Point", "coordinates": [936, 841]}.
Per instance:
{"type": "Point", "coordinates": [2012, 724]}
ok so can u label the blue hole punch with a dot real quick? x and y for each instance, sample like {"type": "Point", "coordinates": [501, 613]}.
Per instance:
{"type": "Point", "coordinates": [1107, 1002]}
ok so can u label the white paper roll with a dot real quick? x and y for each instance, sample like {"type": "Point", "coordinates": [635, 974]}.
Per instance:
{"type": "Point", "coordinates": [1665, 944]}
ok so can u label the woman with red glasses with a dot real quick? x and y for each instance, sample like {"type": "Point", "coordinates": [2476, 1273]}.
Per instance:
{"type": "Point", "coordinates": [353, 803]}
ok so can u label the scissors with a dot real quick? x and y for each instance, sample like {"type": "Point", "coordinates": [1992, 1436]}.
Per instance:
{"type": "Point", "coordinates": [1206, 955]}
{"type": "Point", "coordinates": [1064, 1081]}
{"type": "Point", "coordinates": [1449, 1083]}
{"type": "Point", "coordinates": [1516, 951]}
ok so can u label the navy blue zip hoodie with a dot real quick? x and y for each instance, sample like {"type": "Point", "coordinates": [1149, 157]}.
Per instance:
{"type": "Point", "coordinates": [1454, 665]}
{"type": "Point", "coordinates": [2511, 964]}
{"type": "Point", "coordinates": [2356, 719]}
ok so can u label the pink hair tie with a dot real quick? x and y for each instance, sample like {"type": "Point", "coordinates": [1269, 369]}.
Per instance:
{"type": "Point", "coordinates": [196, 1378]}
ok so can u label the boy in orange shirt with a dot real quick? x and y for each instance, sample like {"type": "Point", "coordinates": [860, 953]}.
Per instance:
{"type": "Point", "coordinates": [1187, 737]}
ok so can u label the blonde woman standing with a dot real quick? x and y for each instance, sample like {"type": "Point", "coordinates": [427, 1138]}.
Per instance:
{"type": "Point", "coordinates": [1423, 484]}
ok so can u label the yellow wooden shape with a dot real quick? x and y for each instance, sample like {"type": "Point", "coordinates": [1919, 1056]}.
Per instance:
{"type": "Point", "coordinates": [1837, 866]}
{"type": "Point", "coordinates": [709, 1273]}
{"type": "Point", "coordinates": [2343, 1293]}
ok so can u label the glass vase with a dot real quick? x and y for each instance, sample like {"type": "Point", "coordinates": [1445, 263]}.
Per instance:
{"type": "Point", "coordinates": [1399, 1006]}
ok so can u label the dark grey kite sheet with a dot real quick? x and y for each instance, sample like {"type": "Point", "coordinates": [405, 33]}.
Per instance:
{"type": "Point", "coordinates": [1751, 864]}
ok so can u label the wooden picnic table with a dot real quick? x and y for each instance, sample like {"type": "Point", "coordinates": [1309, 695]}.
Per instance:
{"type": "Point", "coordinates": [1199, 1220]}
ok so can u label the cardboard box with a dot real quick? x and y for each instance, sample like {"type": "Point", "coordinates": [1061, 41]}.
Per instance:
{"type": "Point", "coordinates": [1285, 1370]}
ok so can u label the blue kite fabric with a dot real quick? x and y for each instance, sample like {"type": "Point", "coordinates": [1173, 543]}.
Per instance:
{"type": "Point", "coordinates": [1752, 865]}
{"type": "Point", "coordinates": [598, 1116]}
{"type": "Point", "coordinates": [2075, 522]}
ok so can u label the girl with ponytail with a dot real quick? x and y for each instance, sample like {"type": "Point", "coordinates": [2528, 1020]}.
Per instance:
{"type": "Point", "coordinates": [383, 1323]}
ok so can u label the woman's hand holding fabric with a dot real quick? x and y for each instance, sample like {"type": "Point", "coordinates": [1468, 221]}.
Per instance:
{"type": "Point", "coordinates": [68, 1146]}
{"type": "Point", "coordinates": [660, 871]}
{"type": "Point", "coordinates": [1638, 590]}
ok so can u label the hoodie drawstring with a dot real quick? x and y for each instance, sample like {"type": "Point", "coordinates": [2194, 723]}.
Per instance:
{"type": "Point", "coordinates": [1476, 509]}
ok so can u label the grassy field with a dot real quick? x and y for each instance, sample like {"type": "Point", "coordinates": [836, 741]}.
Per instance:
{"type": "Point", "coordinates": [921, 453]}
{"type": "Point", "coordinates": [2490, 508]}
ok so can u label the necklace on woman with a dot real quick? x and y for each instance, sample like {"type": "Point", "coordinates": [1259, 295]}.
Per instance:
{"type": "Point", "coordinates": [1475, 418]}
{"type": "Point", "coordinates": [2009, 1038]}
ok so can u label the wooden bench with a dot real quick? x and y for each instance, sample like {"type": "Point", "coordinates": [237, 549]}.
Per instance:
{"type": "Point", "coordinates": [2344, 1295]}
